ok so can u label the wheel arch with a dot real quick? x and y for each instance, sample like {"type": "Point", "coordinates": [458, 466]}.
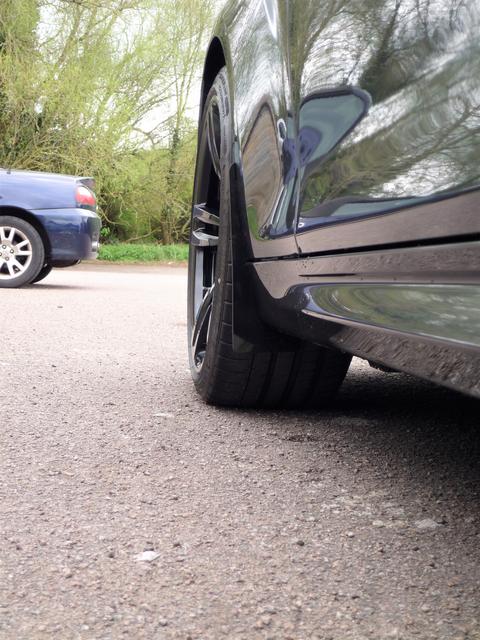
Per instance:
{"type": "Point", "coordinates": [23, 214]}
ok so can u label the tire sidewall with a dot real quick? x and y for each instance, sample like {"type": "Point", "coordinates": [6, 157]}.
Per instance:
{"type": "Point", "coordinates": [38, 252]}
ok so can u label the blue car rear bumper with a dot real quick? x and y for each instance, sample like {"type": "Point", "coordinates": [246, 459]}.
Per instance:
{"type": "Point", "coordinates": [73, 234]}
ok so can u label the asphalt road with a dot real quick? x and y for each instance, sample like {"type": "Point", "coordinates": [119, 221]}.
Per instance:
{"type": "Point", "coordinates": [128, 509]}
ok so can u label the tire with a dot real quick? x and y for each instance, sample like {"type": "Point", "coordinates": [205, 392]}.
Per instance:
{"type": "Point", "coordinates": [22, 254]}
{"type": "Point", "coordinates": [44, 271]}
{"type": "Point", "coordinates": [303, 376]}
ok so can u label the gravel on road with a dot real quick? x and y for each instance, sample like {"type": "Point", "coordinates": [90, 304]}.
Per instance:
{"type": "Point", "coordinates": [129, 509]}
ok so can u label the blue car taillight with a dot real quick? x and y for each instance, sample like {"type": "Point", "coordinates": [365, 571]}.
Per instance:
{"type": "Point", "coordinates": [85, 198]}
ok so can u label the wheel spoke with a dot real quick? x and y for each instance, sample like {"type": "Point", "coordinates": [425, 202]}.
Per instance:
{"type": "Point", "coordinates": [200, 330]}
{"type": "Point", "coordinates": [199, 287]}
{"type": "Point", "coordinates": [19, 265]}
{"type": "Point", "coordinates": [212, 142]}
{"type": "Point", "coordinates": [204, 214]}
{"type": "Point", "coordinates": [16, 252]}
{"type": "Point", "coordinates": [202, 239]}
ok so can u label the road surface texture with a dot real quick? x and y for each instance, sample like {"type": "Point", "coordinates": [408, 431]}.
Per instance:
{"type": "Point", "coordinates": [129, 509]}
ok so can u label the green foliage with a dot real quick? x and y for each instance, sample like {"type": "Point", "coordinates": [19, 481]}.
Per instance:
{"type": "Point", "coordinates": [103, 88]}
{"type": "Point", "coordinates": [144, 252]}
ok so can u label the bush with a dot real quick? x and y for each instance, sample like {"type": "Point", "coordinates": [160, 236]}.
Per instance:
{"type": "Point", "coordinates": [143, 253]}
{"type": "Point", "coordinates": [79, 97]}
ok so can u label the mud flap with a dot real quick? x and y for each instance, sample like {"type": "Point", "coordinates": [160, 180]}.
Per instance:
{"type": "Point", "coordinates": [249, 332]}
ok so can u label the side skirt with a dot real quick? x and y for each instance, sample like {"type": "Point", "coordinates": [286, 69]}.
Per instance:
{"type": "Point", "coordinates": [415, 310]}
{"type": "Point", "coordinates": [454, 366]}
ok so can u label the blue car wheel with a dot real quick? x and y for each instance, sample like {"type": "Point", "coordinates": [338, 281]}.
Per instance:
{"type": "Point", "coordinates": [22, 254]}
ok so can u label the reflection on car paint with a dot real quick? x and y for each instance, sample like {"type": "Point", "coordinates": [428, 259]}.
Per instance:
{"type": "Point", "coordinates": [264, 123]}
{"type": "Point", "coordinates": [419, 63]}
{"type": "Point", "coordinates": [450, 312]}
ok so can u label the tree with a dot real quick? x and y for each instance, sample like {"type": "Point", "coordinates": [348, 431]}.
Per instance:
{"type": "Point", "coordinates": [89, 86]}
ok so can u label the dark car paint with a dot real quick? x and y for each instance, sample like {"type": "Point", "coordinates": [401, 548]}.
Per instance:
{"type": "Point", "coordinates": [357, 162]}
{"type": "Point", "coordinates": [47, 200]}
{"type": "Point", "coordinates": [414, 137]}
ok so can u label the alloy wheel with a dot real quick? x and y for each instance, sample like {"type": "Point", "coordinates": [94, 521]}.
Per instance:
{"type": "Point", "coordinates": [15, 252]}
{"type": "Point", "coordinates": [205, 233]}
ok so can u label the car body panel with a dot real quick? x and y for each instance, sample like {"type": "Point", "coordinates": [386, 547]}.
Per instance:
{"type": "Point", "coordinates": [419, 138]}
{"type": "Point", "coordinates": [416, 309]}
{"type": "Point", "coordinates": [35, 190]}
{"type": "Point", "coordinates": [424, 342]}
{"type": "Point", "coordinates": [72, 232]}
{"type": "Point", "coordinates": [444, 218]}
{"type": "Point", "coordinates": [445, 363]}
{"type": "Point", "coordinates": [421, 309]}
{"type": "Point", "coordinates": [254, 36]}
{"type": "Point", "coordinates": [356, 207]}
{"type": "Point", "coordinates": [450, 263]}
{"type": "Point", "coordinates": [308, 151]}
{"type": "Point", "coordinates": [433, 273]}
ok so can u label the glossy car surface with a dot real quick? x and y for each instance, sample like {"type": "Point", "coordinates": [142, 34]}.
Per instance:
{"type": "Point", "coordinates": [61, 209]}
{"type": "Point", "coordinates": [356, 170]}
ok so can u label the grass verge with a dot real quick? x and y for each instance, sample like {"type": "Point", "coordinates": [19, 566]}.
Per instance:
{"type": "Point", "coordinates": [143, 252]}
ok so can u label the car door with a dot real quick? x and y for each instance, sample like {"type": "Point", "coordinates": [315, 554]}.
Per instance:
{"type": "Point", "coordinates": [386, 96]}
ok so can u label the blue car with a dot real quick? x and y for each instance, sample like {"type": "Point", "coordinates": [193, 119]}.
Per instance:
{"type": "Point", "coordinates": [46, 220]}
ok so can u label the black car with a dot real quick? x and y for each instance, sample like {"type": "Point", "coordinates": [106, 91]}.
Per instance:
{"type": "Point", "coordinates": [336, 206]}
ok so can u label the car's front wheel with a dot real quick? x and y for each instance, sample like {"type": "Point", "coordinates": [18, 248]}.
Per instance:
{"type": "Point", "coordinates": [22, 254]}
{"type": "Point", "coordinates": [302, 375]}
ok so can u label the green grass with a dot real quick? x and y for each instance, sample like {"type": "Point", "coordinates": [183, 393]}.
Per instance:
{"type": "Point", "coordinates": [143, 252]}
